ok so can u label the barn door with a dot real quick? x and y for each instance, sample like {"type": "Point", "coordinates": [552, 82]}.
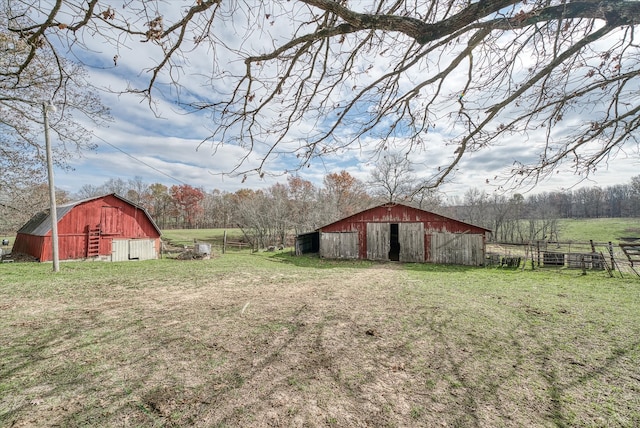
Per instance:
{"type": "Point", "coordinates": [132, 249]}
{"type": "Point", "coordinates": [142, 249]}
{"type": "Point", "coordinates": [339, 245]}
{"type": "Point", "coordinates": [378, 241]}
{"type": "Point", "coordinates": [457, 248]}
{"type": "Point", "coordinates": [411, 238]}
{"type": "Point", "coordinates": [119, 250]}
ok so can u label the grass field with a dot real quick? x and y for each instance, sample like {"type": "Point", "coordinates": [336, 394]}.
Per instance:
{"type": "Point", "coordinates": [215, 237]}
{"type": "Point", "coordinates": [598, 229]}
{"type": "Point", "coordinates": [268, 339]}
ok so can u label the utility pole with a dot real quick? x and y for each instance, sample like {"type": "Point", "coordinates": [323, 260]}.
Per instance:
{"type": "Point", "coordinates": [52, 189]}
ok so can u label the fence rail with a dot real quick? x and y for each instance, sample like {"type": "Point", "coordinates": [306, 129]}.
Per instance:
{"type": "Point", "coordinates": [573, 255]}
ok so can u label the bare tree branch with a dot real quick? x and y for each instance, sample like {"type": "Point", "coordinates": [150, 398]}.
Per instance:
{"type": "Point", "coordinates": [322, 77]}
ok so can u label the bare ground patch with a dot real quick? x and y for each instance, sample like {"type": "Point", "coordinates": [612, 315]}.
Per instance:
{"type": "Point", "coordinates": [348, 347]}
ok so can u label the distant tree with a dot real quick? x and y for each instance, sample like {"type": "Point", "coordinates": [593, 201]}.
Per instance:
{"type": "Point", "coordinates": [511, 227]}
{"type": "Point", "coordinates": [89, 191]}
{"type": "Point", "coordinates": [589, 202]}
{"type": "Point", "coordinates": [476, 207]}
{"type": "Point", "coordinates": [562, 203]}
{"type": "Point", "coordinates": [635, 195]}
{"type": "Point", "coordinates": [541, 220]}
{"type": "Point", "coordinates": [426, 198]}
{"type": "Point", "coordinates": [343, 195]}
{"type": "Point", "coordinates": [137, 190]}
{"type": "Point", "coordinates": [19, 204]}
{"type": "Point", "coordinates": [392, 178]}
{"type": "Point", "coordinates": [214, 212]}
{"type": "Point", "coordinates": [115, 185]}
{"type": "Point", "coordinates": [635, 184]}
{"type": "Point", "coordinates": [617, 200]}
{"type": "Point", "coordinates": [499, 216]}
{"type": "Point", "coordinates": [160, 203]}
{"type": "Point", "coordinates": [279, 213]}
{"type": "Point", "coordinates": [186, 201]}
{"type": "Point", "coordinates": [303, 200]}
{"type": "Point", "coordinates": [253, 217]}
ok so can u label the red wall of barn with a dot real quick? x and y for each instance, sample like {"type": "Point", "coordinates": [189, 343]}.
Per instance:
{"type": "Point", "coordinates": [116, 219]}
{"type": "Point", "coordinates": [29, 244]}
{"type": "Point", "coordinates": [399, 214]}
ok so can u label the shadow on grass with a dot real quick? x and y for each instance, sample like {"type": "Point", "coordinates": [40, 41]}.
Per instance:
{"type": "Point", "coordinates": [316, 262]}
{"type": "Point", "coordinates": [438, 268]}
{"type": "Point", "coordinates": [479, 368]}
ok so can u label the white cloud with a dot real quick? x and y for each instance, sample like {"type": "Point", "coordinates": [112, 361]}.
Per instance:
{"type": "Point", "coordinates": [170, 146]}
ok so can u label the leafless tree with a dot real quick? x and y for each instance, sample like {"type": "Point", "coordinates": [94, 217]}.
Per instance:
{"type": "Point", "coordinates": [305, 208]}
{"type": "Point", "coordinates": [393, 178]}
{"type": "Point", "coordinates": [558, 77]}
{"type": "Point", "coordinates": [31, 75]}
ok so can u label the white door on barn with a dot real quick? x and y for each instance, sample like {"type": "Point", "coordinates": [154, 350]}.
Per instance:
{"type": "Point", "coordinates": [378, 241]}
{"type": "Point", "coordinates": [142, 249]}
{"type": "Point", "coordinates": [411, 238]}
{"type": "Point", "coordinates": [133, 249]}
{"type": "Point", "coordinates": [119, 250]}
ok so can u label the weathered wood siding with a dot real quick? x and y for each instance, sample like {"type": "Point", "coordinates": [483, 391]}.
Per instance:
{"type": "Point", "coordinates": [378, 241]}
{"type": "Point", "coordinates": [411, 237]}
{"type": "Point", "coordinates": [341, 245]}
{"type": "Point", "coordinates": [114, 217]}
{"type": "Point", "coordinates": [415, 235]}
{"type": "Point", "coordinates": [456, 249]}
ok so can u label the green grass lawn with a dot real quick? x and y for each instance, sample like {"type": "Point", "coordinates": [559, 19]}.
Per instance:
{"type": "Point", "coordinates": [598, 229]}
{"type": "Point", "coordinates": [188, 236]}
{"type": "Point", "coordinates": [269, 339]}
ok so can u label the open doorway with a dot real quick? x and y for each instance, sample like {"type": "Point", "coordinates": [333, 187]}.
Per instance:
{"type": "Point", "coordinates": [394, 252]}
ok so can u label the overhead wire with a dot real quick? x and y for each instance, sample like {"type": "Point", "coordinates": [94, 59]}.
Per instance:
{"type": "Point", "coordinates": [140, 161]}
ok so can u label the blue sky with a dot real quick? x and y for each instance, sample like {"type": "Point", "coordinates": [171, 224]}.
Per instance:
{"type": "Point", "coordinates": [166, 147]}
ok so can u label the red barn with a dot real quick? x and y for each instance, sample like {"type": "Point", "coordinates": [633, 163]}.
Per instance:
{"type": "Point", "coordinates": [400, 233]}
{"type": "Point", "coordinates": [106, 228]}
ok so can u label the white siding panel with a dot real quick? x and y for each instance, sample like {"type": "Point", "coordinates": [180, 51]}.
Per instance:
{"type": "Point", "coordinates": [133, 249]}
{"type": "Point", "coordinates": [119, 250]}
{"type": "Point", "coordinates": [142, 249]}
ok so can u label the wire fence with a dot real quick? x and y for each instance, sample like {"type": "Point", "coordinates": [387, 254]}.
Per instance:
{"type": "Point", "coordinates": [618, 259]}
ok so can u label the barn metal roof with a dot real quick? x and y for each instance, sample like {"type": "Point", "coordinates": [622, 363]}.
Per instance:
{"type": "Point", "coordinates": [392, 204]}
{"type": "Point", "coordinates": [40, 223]}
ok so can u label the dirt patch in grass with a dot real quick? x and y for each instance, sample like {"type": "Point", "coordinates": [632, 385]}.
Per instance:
{"type": "Point", "coordinates": [374, 346]}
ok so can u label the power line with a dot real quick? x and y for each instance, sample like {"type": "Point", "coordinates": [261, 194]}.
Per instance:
{"type": "Point", "coordinates": [141, 161]}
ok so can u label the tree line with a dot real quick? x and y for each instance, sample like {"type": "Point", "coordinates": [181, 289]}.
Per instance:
{"type": "Point", "coordinates": [268, 216]}
{"type": "Point", "coordinates": [516, 218]}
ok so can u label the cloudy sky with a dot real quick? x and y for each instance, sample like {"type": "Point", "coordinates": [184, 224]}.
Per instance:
{"type": "Point", "coordinates": [166, 145]}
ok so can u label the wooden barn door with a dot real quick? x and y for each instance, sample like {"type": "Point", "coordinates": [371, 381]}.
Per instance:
{"type": "Point", "coordinates": [133, 249]}
{"type": "Point", "coordinates": [119, 250]}
{"type": "Point", "coordinates": [339, 245]}
{"type": "Point", "coordinates": [142, 249]}
{"type": "Point", "coordinates": [411, 237]}
{"type": "Point", "coordinates": [378, 241]}
{"type": "Point", "coordinates": [457, 248]}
